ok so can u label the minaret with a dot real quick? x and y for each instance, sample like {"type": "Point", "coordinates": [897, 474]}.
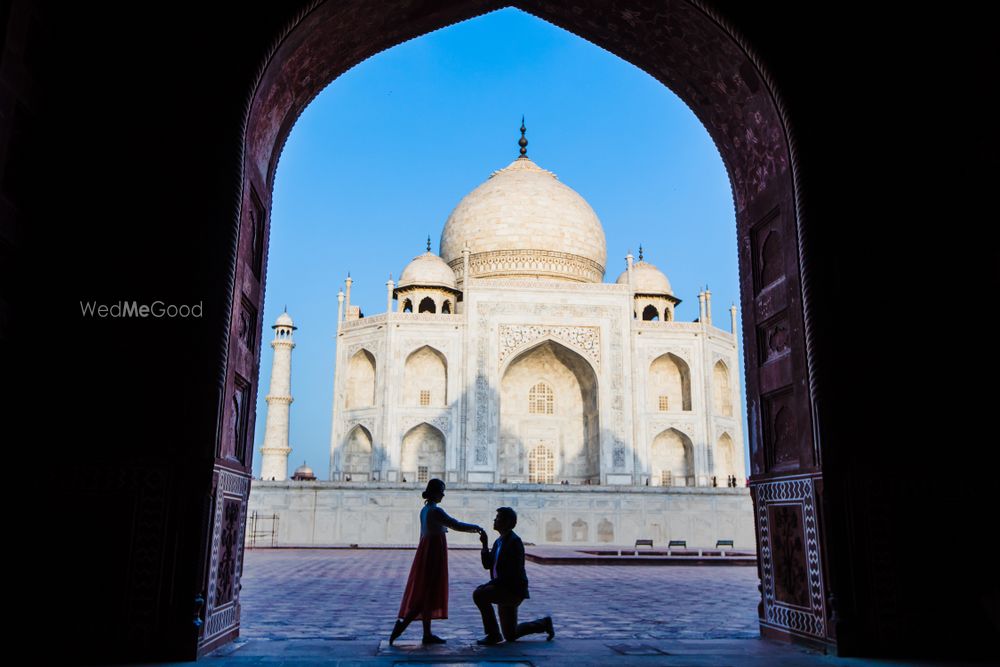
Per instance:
{"type": "Point", "coordinates": [708, 306]}
{"type": "Point", "coordinates": [340, 309]}
{"type": "Point", "coordinates": [276, 450]}
{"type": "Point", "coordinates": [348, 282]}
{"type": "Point", "coordinates": [388, 294]}
{"type": "Point", "coordinates": [732, 313]}
{"type": "Point", "coordinates": [701, 307]}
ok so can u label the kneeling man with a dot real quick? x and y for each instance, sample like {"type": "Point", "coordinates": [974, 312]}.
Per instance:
{"type": "Point", "coordinates": [508, 585]}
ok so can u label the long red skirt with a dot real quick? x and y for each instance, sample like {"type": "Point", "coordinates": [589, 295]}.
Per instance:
{"type": "Point", "coordinates": [427, 588]}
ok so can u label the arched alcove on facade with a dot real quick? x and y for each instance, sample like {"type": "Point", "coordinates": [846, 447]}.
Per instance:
{"type": "Point", "coordinates": [548, 397]}
{"type": "Point", "coordinates": [425, 378]}
{"type": "Point", "coordinates": [722, 392]}
{"type": "Point", "coordinates": [356, 456]}
{"type": "Point", "coordinates": [422, 453]}
{"type": "Point", "coordinates": [669, 385]}
{"type": "Point", "coordinates": [361, 380]}
{"type": "Point", "coordinates": [726, 459]}
{"type": "Point", "coordinates": [672, 459]}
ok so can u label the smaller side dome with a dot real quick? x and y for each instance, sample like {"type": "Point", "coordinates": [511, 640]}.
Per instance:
{"type": "Point", "coordinates": [647, 279]}
{"type": "Point", "coordinates": [303, 472]}
{"type": "Point", "coordinates": [427, 270]}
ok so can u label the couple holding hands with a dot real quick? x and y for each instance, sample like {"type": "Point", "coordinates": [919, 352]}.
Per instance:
{"type": "Point", "coordinates": [426, 593]}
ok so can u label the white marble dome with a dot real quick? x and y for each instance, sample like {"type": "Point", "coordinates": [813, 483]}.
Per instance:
{"type": "Point", "coordinates": [284, 320]}
{"type": "Point", "coordinates": [647, 279]}
{"type": "Point", "coordinates": [427, 270]}
{"type": "Point", "coordinates": [523, 222]}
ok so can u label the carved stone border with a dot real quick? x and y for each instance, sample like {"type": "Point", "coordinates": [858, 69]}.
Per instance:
{"type": "Point", "coordinates": [799, 492]}
{"type": "Point", "coordinates": [223, 619]}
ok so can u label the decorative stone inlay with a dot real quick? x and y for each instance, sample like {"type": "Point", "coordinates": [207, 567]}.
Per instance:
{"type": "Point", "coordinates": [363, 322]}
{"type": "Point", "coordinates": [724, 430]}
{"type": "Point", "coordinates": [800, 494]}
{"type": "Point", "coordinates": [442, 422]}
{"type": "Point", "coordinates": [683, 354]}
{"type": "Point", "coordinates": [482, 415]}
{"type": "Point", "coordinates": [229, 524]}
{"type": "Point", "coordinates": [618, 455]}
{"type": "Point", "coordinates": [367, 424]}
{"type": "Point", "coordinates": [516, 337]}
{"type": "Point", "coordinates": [688, 327]}
{"type": "Point", "coordinates": [408, 346]}
{"type": "Point", "coordinates": [373, 347]}
{"type": "Point", "coordinates": [685, 427]}
{"type": "Point", "coordinates": [530, 263]}
{"type": "Point", "coordinates": [271, 398]}
{"type": "Point", "coordinates": [528, 285]}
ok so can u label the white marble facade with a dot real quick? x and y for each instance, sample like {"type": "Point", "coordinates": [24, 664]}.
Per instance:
{"type": "Point", "coordinates": [507, 360]}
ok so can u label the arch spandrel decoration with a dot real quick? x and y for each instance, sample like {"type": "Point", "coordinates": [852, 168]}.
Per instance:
{"type": "Point", "coordinates": [515, 338]}
{"type": "Point", "coordinates": [366, 423]}
{"type": "Point", "coordinates": [442, 423]}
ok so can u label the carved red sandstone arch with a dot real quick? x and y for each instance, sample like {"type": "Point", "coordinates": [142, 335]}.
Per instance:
{"type": "Point", "coordinates": [707, 65]}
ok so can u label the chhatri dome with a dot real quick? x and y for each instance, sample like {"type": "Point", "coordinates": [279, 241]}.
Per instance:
{"type": "Point", "coordinates": [427, 270]}
{"type": "Point", "coordinates": [646, 278]}
{"type": "Point", "coordinates": [284, 320]}
{"type": "Point", "coordinates": [524, 223]}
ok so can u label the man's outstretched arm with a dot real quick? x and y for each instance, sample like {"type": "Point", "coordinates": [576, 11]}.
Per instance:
{"type": "Point", "coordinates": [484, 553]}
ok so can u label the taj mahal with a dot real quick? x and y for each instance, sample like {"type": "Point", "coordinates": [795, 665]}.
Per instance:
{"type": "Point", "coordinates": [506, 366]}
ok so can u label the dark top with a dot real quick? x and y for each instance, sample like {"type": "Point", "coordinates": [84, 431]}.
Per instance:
{"type": "Point", "coordinates": [509, 564]}
{"type": "Point", "coordinates": [435, 521]}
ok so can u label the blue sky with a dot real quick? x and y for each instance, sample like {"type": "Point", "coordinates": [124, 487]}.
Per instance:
{"type": "Point", "coordinates": [380, 158]}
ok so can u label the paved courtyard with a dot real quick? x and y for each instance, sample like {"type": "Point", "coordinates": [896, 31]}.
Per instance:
{"type": "Point", "coordinates": [355, 594]}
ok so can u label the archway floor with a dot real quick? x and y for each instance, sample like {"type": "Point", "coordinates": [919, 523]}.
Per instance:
{"type": "Point", "coordinates": [355, 593]}
{"type": "Point", "coordinates": [335, 607]}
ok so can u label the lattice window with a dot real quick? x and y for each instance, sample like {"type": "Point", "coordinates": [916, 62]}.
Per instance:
{"type": "Point", "coordinates": [541, 400]}
{"type": "Point", "coordinates": [425, 397]}
{"type": "Point", "coordinates": [666, 478]}
{"type": "Point", "coordinates": [422, 473]}
{"type": "Point", "coordinates": [663, 403]}
{"type": "Point", "coordinates": [541, 466]}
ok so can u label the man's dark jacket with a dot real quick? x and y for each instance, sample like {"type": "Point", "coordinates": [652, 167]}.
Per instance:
{"type": "Point", "coordinates": [510, 568]}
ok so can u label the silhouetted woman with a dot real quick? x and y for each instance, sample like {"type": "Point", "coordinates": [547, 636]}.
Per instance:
{"type": "Point", "coordinates": [426, 592]}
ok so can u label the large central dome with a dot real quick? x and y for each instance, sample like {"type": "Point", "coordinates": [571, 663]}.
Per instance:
{"type": "Point", "coordinates": [523, 223]}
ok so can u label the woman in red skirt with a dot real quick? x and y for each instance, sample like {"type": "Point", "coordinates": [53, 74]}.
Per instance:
{"type": "Point", "coordinates": [426, 592]}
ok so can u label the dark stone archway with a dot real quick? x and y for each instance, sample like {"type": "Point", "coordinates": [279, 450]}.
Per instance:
{"type": "Point", "coordinates": [134, 153]}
